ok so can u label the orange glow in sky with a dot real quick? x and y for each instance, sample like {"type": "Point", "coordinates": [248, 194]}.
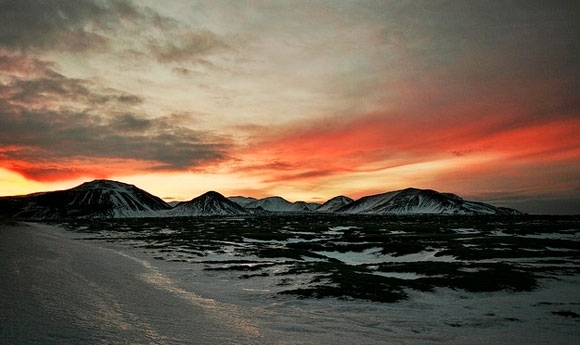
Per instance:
{"type": "Point", "coordinates": [305, 102]}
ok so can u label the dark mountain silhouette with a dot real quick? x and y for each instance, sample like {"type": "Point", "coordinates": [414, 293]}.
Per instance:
{"type": "Point", "coordinates": [242, 200]}
{"type": "Point", "coordinates": [420, 201]}
{"type": "Point", "coordinates": [208, 204]}
{"type": "Point", "coordinates": [96, 199]}
{"type": "Point", "coordinates": [111, 199]}
{"type": "Point", "coordinates": [334, 204]}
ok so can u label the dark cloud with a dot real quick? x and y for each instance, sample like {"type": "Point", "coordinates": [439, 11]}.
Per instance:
{"type": "Point", "coordinates": [312, 174]}
{"type": "Point", "coordinates": [182, 71]}
{"type": "Point", "coordinates": [274, 165]}
{"type": "Point", "coordinates": [45, 90]}
{"type": "Point", "coordinates": [461, 153]}
{"type": "Point", "coordinates": [447, 31]}
{"type": "Point", "coordinates": [48, 120]}
{"type": "Point", "coordinates": [15, 65]}
{"type": "Point", "coordinates": [45, 138]}
{"type": "Point", "coordinates": [92, 25]}
{"type": "Point", "coordinates": [120, 28]}
{"type": "Point", "coordinates": [26, 24]}
{"type": "Point", "coordinates": [188, 46]}
{"type": "Point", "coordinates": [38, 86]}
{"type": "Point", "coordinates": [488, 53]}
{"type": "Point", "coordinates": [131, 123]}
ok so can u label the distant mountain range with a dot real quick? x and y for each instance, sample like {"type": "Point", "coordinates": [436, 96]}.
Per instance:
{"type": "Point", "coordinates": [279, 204]}
{"type": "Point", "coordinates": [112, 199]}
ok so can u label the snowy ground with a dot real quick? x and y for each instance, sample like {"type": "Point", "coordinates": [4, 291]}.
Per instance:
{"type": "Point", "coordinates": [140, 284]}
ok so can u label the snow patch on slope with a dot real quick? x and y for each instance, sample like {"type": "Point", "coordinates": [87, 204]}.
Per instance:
{"type": "Point", "coordinates": [208, 204]}
{"type": "Point", "coordinates": [276, 204]}
{"type": "Point", "coordinates": [413, 201]}
{"type": "Point", "coordinates": [334, 204]}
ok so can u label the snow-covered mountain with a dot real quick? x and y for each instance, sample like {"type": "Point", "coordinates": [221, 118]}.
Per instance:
{"type": "Point", "coordinates": [334, 204]}
{"type": "Point", "coordinates": [279, 204]}
{"type": "Point", "coordinates": [242, 200]}
{"type": "Point", "coordinates": [420, 201]}
{"type": "Point", "coordinates": [111, 199]}
{"type": "Point", "coordinates": [208, 204]}
{"type": "Point", "coordinates": [272, 203]}
{"type": "Point", "coordinates": [303, 206]}
{"type": "Point", "coordinates": [96, 199]}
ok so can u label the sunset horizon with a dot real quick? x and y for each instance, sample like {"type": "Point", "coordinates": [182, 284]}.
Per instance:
{"type": "Point", "coordinates": [306, 102]}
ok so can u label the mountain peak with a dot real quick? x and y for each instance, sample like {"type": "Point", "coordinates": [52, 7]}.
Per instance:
{"type": "Point", "coordinates": [242, 200]}
{"type": "Point", "coordinates": [279, 204]}
{"type": "Point", "coordinates": [95, 199]}
{"type": "Point", "coordinates": [103, 184]}
{"type": "Point", "coordinates": [207, 204]}
{"type": "Point", "coordinates": [212, 194]}
{"type": "Point", "coordinates": [334, 204]}
{"type": "Point", "coordinates": [419, 201]}
{"type": "Point", "coordinates": [112, 199]}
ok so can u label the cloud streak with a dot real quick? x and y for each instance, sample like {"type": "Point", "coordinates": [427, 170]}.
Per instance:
{"type": "Point", "coordinates": [53, 142]}
{"type": "Point", "coordinates": [47, 25]}
{"type": "Point", "coordinates": [459, 153]}
{"type": "Point", "coordinates": [51, 123]}
{"type": "Point", "coordinates": [188, 46]}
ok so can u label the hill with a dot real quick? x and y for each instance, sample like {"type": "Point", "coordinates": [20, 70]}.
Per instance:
{"type": "Point", "coordinates": [420, 201]}
{"type": "Point", "coordinates": [208, 204]}
{"type": "Point", "coordinates": [95, 199]}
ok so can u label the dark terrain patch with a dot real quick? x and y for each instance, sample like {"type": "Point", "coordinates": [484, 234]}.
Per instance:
{"type": "Point", "coordinates": [495, 253]}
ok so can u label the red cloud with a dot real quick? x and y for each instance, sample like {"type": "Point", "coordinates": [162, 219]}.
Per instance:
{"type": "Point", "coordinates": [62, 170]}
{"type": "Point", "coordinates": [382, 141]}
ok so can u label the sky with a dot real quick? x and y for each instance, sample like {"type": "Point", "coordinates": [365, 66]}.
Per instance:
{"type": "Point", "coordinates": [302, 99]}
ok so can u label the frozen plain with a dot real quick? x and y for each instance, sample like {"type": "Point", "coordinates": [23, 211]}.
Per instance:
{"type": "Point", "coordinates": [58, 288]}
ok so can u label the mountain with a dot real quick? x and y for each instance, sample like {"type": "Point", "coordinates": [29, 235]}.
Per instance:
{"type": "Point", "coordinates": [272, 203]}
{"type": "Point", "coordinates": [303, 206]}
{"type": "Point", "coordinates": [334, 204]}
{"type": "Point", "coordinates": [96, 199]}
{"type": "Point", "coordinates": [111, 199]}
{"type": "Point", "coordinates": [279, 204]}
{"type": "Point", "coordinates": [208, 204]}
{"type": "Point", "coordinates": [420, 201]}
{"type": "Point", "coordinates": [242, 200]}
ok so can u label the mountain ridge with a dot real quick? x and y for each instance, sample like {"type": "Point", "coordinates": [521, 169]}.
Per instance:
{"type": "Point", "coordinates": [412, 201]}
{"type": "Point", "coordinates": [333, 204]}
{"type": "Point", "coordinates": [95, 199]}
{"type": "Point", "coordinates": [210, 203]}
{"type": "Point", "coordinates": [112, 199]}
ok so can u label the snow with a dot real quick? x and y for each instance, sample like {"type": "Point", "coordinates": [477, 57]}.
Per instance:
{"type": "Point", "coordinates": [208, 204]}
{"type": "Point", "coordinates": [242, 200]}
{"type": "Point", "coordinates": [413, 201]}
{"type": "Point", "coordinates": [273, 203]}
{"type": "Point", "coordinates": [334, 204]}
{"type": "Point", "coordinates": [400, 275]}
{"type": "Point", "coordinates": [336, 230]}
{"type": "Point", "coordinates": [466, 231]}
{"type": "Point", "coordinates": [443, 316]}
{"type": "Point", "coordinates": [374, 256]}
{"type": "Point", "coordinates": [96, 199]}
{"type": "Point", "coordinates": [279, 204]}
{"type": "Point", "coordinates": [106, 199]}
